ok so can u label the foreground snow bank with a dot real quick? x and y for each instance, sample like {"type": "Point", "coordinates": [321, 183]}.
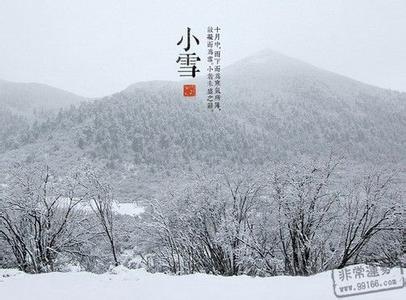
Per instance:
{"type": "Point", "coordinates": [123, 284]}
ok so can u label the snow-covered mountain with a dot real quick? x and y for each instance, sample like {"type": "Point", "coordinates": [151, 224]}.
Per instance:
{"type": "Point", "coordinates": [23, 98]}
{"type": "Point", "coordinates": [274, 107]}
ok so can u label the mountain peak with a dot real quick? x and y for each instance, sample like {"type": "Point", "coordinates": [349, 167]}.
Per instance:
{"type": "Point", "coordinates": [268, 56]}
{"type": "Point", "coordinates": [271, 62]}
{"type": "Point", "coordinates": [269, 53]}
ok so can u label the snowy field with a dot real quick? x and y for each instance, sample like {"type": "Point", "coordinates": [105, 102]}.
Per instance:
{"type": "Point", "coordinates": [130, 209]}
{"type": "Point", "coordinates": [123, 284]}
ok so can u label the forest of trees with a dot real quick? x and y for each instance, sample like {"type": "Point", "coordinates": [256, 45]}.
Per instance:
{"type": "Point", "coordinates": [158, 129]}
{"type": "Point", "coordinates": [295, 218]}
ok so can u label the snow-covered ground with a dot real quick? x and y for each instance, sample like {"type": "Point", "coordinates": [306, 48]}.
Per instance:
{"type": "Point", "coordinates": [125, 284]}
{"type": "Point", "coordinates": [131, 209]}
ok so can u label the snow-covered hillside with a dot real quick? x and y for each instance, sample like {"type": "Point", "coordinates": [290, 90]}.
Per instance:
{"type": "Point", "coordinates": [138, 284]}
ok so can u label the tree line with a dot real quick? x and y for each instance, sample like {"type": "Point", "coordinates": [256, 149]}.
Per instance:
{"type": "Point", "coordinates": [296, 218]}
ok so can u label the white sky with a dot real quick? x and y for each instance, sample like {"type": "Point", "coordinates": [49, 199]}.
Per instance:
{"type": "Point", "coordinates": [97, 47]}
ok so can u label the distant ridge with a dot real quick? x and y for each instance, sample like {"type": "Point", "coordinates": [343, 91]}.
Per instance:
{"type": "Point", "coordinates": [23, 98]}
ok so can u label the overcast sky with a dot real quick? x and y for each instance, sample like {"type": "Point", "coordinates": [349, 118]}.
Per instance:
{"type": "Point", "coordinates": [94, 48]}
